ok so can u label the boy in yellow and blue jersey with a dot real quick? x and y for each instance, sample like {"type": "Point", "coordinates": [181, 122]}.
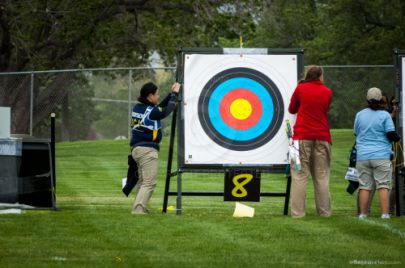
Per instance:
{"type": "Point", "coordinates": [146, 136]}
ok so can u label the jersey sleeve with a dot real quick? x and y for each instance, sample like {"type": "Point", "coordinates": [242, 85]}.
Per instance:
{"type": "Point", "coordinates": [164, 108]}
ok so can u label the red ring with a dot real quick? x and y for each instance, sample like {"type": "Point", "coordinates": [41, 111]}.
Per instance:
{"type": "Point", "coordinates": [240, 93]}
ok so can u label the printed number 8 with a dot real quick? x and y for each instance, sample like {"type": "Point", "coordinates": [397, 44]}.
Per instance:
{"type": "Point", "coordinates": [239, 190]}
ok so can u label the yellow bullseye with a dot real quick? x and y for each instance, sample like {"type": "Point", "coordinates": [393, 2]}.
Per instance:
{"type": "Point", "coordinates": [241, 109]}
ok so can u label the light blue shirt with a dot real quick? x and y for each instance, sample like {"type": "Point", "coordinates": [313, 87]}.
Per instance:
{"type": "Point", "coordinates": [370, 128]}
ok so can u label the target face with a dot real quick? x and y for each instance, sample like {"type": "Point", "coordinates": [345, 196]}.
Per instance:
{"type": "Point", "coordinates": [234, 108]}
{"type": "Point", "coordinates": [240, 109]}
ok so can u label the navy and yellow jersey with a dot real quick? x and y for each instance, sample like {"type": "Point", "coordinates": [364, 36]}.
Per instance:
{"type": "Point", "coordinates": [145, 123]}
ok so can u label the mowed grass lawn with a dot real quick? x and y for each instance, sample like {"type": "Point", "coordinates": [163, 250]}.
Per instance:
{"type": "Point", "coordinates": [94, 227]}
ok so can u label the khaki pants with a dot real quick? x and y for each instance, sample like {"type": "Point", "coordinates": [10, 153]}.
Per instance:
{"type": "Point", "coordinates": [147, 160]}
{"type": "Point", "coordinates": [315, 159]}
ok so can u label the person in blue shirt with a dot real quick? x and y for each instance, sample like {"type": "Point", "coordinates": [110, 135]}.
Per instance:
{"type": "Point", "coordinates": [374, 130]}
{"type": "Point", "coordinates": [146, 137]}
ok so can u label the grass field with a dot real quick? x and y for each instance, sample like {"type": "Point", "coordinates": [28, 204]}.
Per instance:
{"type": "Point", "coordinates": [94, 228]}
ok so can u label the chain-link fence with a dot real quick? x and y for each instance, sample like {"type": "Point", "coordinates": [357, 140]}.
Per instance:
{"type": "Point", "coordinates": [96, 103]}
{"type": "Point", "coordinates": [350, 84]}
{"type": "Point", "coordinates": [89, 104]}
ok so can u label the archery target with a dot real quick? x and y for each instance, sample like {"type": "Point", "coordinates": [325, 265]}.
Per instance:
{"type": "Point", "coordinates": [250, 108]}
{"type": "Point", "coordinates": [235, 106]}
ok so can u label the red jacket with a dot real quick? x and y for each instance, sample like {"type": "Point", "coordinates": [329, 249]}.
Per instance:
{"type": "Point", "coordinates": [311, 101]}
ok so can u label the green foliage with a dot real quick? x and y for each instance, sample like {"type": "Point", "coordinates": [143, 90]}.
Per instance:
{"type": "Point", "coordinates": [46, 35]}
{"type": "Point", "coordinates": [199, 24]}
{"type": "Point", "coordinates": [66, 34]}
{"type": "Point", "coordinates": [335, 32]}
{"type": "Point", "coordinates": [349, 87]}
{"type": "Point", "coordinates": [110, 99]}
{"type": "Point", "coordinates": [81, 109]}
{"type": "Point", "coordinates": [43, 35]}
{"type": "Point", "coordinates": [339, 32]}
{"type": "Point", "coordinates": [362, 32]}
{"type": "Point", "coordinates": [110, 104]}
{"type": "Point", "coordinates": [286, 23]}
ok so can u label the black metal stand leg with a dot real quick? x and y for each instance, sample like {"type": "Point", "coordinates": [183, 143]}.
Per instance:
{"type": "Point", "coordinates": [179, 194]}
{"type": "Point", "coordinates": [53, 163]}
{"type": "Point", "coordinates": [169, 161]}
{"type": "Point", "coordinates": [287, 195]}
{"type": "Point", "coordinates": [399, 193]}
{"type": "Point", "coordinates": [166, 194]}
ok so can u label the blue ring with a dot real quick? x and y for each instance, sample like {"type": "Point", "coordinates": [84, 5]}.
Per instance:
{"type": "Point", "coordinates": [235, 134]}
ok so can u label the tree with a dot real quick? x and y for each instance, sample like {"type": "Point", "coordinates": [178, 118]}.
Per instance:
{"type": "Point", "coordinates": [339, 33]}
{"type": "Point", "coordinates": [335, 32]}
{"type": "Point", "coordinates": [46, 35]}
{"type": "Point", "coordinates": [286, 23]}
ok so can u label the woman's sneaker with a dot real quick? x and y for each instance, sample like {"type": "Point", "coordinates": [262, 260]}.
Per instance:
{"type": "Point", "coordinates": [385, 216]}
{"type": "Point", "coordinates": [362, 216]}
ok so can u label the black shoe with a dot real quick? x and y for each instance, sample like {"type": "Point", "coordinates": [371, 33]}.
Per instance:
{"type": "Point", "coordinates": [127, 190]}
{"type": "Point", "coordinates": [352, 187]}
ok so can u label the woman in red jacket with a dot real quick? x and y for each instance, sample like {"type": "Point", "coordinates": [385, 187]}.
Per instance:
{"type": "Point", "coordinates": [310, 101]}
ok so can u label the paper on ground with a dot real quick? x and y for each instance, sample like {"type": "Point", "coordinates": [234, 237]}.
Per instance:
{"type": "Point", "coordinates": [10, 211]}
{"type": "Point", "coordinates": [242, 210]}
{"type": "Point", "coordinates": [15, 205]}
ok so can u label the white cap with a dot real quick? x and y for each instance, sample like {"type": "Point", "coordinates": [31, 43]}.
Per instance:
{"type": "Point", "coordinates": [374, 94]}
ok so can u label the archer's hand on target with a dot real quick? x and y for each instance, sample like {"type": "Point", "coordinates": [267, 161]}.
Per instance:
{"type": "Point", "coordinates": [175, 87]}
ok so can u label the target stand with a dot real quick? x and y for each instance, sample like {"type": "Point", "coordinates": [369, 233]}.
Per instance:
{"type": "Point", "coordinates": [232, 113]}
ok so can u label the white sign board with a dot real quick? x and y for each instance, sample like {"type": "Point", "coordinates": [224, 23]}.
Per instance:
{"type": "Point", "coordinates": [5, 122]}
{"type": "Point", "coordinates": [402, 87]}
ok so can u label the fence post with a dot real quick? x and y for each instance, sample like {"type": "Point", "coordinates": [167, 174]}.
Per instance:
{"type": "Point", "coordinates": [31, 102]}
{"type": "Point", "coordinates": [129, 102]}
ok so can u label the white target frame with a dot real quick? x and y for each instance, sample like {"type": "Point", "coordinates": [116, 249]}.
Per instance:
{"type": "Point", "coordinates": [196, 148]}
{"type": "Point", "coordinates": [400, 65]}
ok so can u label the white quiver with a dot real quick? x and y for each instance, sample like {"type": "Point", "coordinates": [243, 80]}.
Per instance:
{"type": "Point", "coordinates": [293, 148]}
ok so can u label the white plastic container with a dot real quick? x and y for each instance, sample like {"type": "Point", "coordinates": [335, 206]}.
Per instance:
{"type": "Point", "coordinates": [5, 122]}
